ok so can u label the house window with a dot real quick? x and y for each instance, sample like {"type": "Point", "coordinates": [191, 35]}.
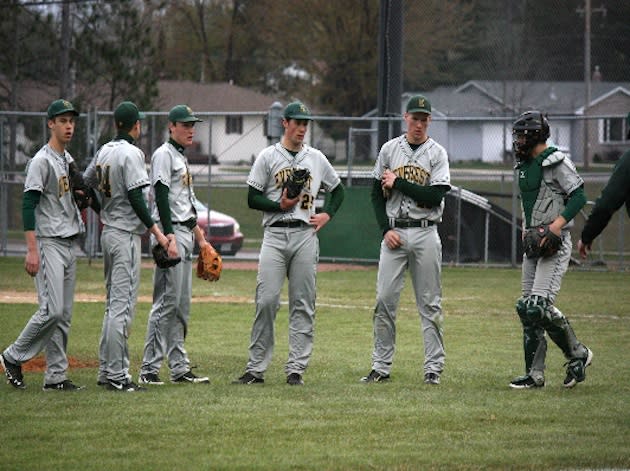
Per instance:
{"type": "Point", "coordinates": [233, 125]}
{"type": "Point", "coordinates": [612, 130]}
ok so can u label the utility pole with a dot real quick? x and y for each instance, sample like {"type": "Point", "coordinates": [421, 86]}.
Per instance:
{"type": "Point", "coordinates": [65, 79]}
{"type": "Point", "coordinates": [390, 46]}
{"type": "Point", "coordinates": [587, 12]}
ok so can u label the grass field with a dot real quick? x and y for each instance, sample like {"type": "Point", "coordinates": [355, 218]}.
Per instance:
{"type": "Point", "coordinates": [471, 421]}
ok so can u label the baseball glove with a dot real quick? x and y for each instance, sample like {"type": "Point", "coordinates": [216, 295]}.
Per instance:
{"type": "Point", "coordinates": [541, 242]}
{"type": "Point", "coordinates": [80, 190]}
{"type": "Point", "coordinates": [296, 182]}
{"type": "Point", "coordinates": [209, 263]}
{"type": "Point", "coordinates": [162, 260]}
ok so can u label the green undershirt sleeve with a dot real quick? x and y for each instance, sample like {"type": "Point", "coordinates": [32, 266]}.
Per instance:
{"type": "Point", "coordinates": [164, 210]}
{"type": "Point", "coordinates": [140, 207]}
{"type": "Point", "coordinates": [334, 200]}
{"type": "Point", "coordinates": [378, 204]}
{"type": "Point", "coordinates": [256, 200]}
{"type": "Point", "coordinates": [577, 200]}
{"type": "Point", "coordinates": [426, 195]}
{"type": "Point", "coordinates": [30, 200]}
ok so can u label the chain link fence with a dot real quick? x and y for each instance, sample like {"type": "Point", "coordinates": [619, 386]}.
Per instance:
{"type": "Point", "coordinates": [484, 201]}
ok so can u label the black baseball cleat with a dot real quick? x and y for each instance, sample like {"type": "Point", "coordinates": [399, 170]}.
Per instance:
{"type": "Point", "coordinates": [248, 378]}
{"type": "Point", "coordinates": [576, 369]}
{"type": "Point", "coordinates": [431, 377]}
{"type": "Point", "coordinates": [295, 379]}
{"type": "Point", "coordinates": [150, 378]}
{"type": "Point", "coordinates": [375, 377]}
{"type": "Point", "coordinates": [65, 385]}
{"type": "Point", "coordinates": [526, 382]}
{"type": "Point", "coordinates": [190, 377]}
{"type": "Point", "coordinates": [128, 386]}
{"type": "Point", "coordinates": [13, 373]}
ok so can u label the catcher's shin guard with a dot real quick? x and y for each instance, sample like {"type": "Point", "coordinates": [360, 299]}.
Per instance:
{"type": "Point", "coordinates": [534, 342]}
{"type": "Point", "coordinates": [562, 334]}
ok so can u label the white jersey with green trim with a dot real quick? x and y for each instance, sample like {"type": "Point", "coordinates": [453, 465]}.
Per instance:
{"type": "Point", "coordinates": [57, 214]}
{"type": "Point", "coordinates": [118, 168]}
{"type": "Point", "coordinates": [426, 166]}
{"type": "Point", "coordinates": [170, 167]}
{"type": "Point", "coordinates": [272, 168]}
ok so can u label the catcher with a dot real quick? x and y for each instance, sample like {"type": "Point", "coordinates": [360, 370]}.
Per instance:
{"type": "Point", "coordinates": [552, 194]}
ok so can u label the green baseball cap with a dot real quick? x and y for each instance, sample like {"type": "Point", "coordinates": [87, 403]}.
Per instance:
{"type": "Point", "coordinates": [58, 107]}
{"type": "Point", "coordinates": [419, 104]}
{"type": "Point", "coordinates": [297, 110]}
{"type": "Point", "coordinates": [182, 114]}
{"type": "Point", "coordinates": [126, 115]}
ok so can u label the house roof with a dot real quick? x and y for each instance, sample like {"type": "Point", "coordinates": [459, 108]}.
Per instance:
{"type": "Point", "coordinates": [208, 97]}
{"type": "Point", "coordinates": [498, 98]}
{"type": "Point", "coordinates": [211, 97]}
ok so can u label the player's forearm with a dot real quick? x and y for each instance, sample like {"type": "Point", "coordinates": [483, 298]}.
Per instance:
{"type": "Point", "coordinates": [164, 210]}
{"type": "Point", "coordinates": [426, 195]}
{"type": "Point", "coordinates": [334, 200]}
{"type": "Point", "coordinates": [378, 204]}
{"type": "Point", "coordinates": [256, 200]}
{"type": "Point", "coordinates": [31, 241]}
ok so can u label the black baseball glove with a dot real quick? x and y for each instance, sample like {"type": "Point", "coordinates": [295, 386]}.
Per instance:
{"type": "Point", "coordinates": [162, 260]}
{"type": "Point", "coordinates": [80, 191]}
{"type": "Point", "coordinates": [296, 182]}
{"type": "Point", "coordinates": [541, 242]}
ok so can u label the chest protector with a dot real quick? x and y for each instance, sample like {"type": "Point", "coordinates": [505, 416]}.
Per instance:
{"type": "Point", "coordinates": [541, 204]}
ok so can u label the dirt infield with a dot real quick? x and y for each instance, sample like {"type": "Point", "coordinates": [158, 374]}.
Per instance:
{"type": "Point", "coordinates": [38, 364]}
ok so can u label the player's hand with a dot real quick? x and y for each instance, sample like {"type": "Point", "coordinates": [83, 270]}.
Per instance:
{"type": "Point", "coordinates": [31, 263]}
{"type": "Point", "coordinates": [392, 239]}
{"type": "Point", "coordinates": [287, 203]}
{"type": "Point", "coordinates": [319, 220]}
{"type": "Point", "coordinates": [171, 250]}
{"type": "Point", "coordinates": [388, 179]}
{"type": "Point", "coordinates": [583, 249]}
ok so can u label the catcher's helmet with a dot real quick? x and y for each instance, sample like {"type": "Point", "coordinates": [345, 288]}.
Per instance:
{"type": "Point", "coordinates": [529, 129]}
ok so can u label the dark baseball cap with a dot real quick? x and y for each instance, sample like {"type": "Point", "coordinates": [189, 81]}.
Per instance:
{"type": "Point", "coordinates": [297, 110]}
{"type": "Point", "coordinates": [126, 115]}
{"type": "Point", "coordinates": [182, 114]}
{"type": "Point", "coordinates": [419, 104]}
{"type": "Point", "coordinates": [58, 107]}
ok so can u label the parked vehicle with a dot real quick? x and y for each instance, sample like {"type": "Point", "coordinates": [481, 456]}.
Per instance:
{"type": "Point", "coordinates": [225, 231]}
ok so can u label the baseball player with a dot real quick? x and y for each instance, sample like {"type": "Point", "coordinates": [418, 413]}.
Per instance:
{"type": "Point", "coordinates": [411, 178]}
{"type": "Point", "coordinates": [51, 224]}
{"type": "Point", "coordinates": [118, 172]}
{"type": "Point", "coordinates": [290, 247]}
{"type": "Point", "coordinates": [551, 194]}
{"type": "Point", "coordinates": [614, 195]}
{"type": "Point", "coordinates": [172, 287]}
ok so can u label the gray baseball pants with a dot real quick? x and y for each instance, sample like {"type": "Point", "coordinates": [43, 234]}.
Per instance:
{"type": "Point", "coordinates": [121, 257]}
{"type": "Point", "coordinates": [49, 327]}
{"type": "Point", "coordinates": [168, 321]}
{"type": "Point", "coordinates": [421, 253]}
{"type": "Point", "coordinates": [285, 253]}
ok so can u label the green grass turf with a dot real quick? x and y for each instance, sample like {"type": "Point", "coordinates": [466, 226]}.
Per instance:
{"type": "Point", "coordinates": [471, 421]}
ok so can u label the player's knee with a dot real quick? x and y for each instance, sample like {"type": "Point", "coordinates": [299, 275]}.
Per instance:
{"type": "Point", "coordinates": [532, 309]}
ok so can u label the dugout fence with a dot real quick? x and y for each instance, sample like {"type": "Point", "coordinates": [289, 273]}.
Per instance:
{"type": "Point", "coordinates": [481, 219]}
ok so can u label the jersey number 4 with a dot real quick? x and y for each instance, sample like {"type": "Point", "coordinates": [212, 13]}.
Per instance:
{"type": "Point", "coordinates": [104, 185]}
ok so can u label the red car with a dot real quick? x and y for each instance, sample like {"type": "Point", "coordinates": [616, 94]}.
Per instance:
{"type": "Point", "coordinates": [225, 231]}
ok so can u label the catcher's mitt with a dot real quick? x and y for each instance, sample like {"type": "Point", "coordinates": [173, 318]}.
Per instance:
{"type": "Point", "coordinates": [209, 263]}
{"type": "Point", "coordinates": [80, 190]}
{"type": "Point", "coordinates": [162, 260]}
{"type": "Point", "coordinates": [296, 182]}
{"type": "Point", "coordinates": [541, 242]}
